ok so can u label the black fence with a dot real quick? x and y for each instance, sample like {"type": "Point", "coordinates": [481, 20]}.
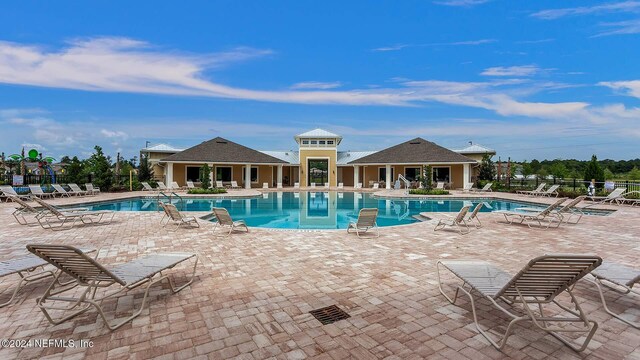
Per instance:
{"type": "Point", "coordinates": [572, 184]}
{"type": "Point", "coordinates": [32, 179]}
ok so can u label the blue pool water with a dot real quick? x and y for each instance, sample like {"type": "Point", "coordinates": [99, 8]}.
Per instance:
{"type": "Point", "coordinates": [313, 210]}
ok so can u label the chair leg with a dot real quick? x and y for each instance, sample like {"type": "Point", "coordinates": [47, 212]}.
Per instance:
{"type": "Point", "coordinates": [599, 285]}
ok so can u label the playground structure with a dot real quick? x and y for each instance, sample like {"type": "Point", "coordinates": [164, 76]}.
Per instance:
{"type": "Point", "coordinates": [44, 163]}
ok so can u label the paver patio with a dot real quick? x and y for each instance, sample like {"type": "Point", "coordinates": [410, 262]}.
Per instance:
{"type": "Point", "coordinates": [253, 292]}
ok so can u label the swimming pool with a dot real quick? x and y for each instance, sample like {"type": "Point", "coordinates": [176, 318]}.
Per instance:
{"type": "Point", "coordinates": [314, 210]}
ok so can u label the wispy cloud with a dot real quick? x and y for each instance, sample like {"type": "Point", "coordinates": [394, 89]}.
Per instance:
{"type": "Point", "coordinates": [316, 85]}
{"type": "Point", "coordinates": [625, 6]}
{"type": "Point", "coordinates": [523, 70]}
{"type": "Point", "coordinates": [620, 28]}
{"type": "Point", "coordinates": [398, 47]}
{"type": "Point", "coordinates": [541, 41]}
{"type": "Point", "coordinates": [464, 3]}
{"type": "Point", "coordinates": [629, 88]}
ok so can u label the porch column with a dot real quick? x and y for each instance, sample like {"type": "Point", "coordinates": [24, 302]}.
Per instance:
{"type": "Point", "coordinates": [279, 176]}
{"type": "Point", "coordinates": [388, 177]}
{"type": "Point", "coordinates": [356, 175]}
{"type": "Point", "coordinates": [247, 176]}
{"type": "Point", "coordinates": [169, 174]}
{"type": "Point", "coordinates": [211, 179]}
{"type": "Point", "coordinates": [466, 175]}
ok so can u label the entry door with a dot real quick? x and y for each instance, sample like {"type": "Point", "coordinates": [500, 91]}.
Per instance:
{"type": "Point", "coordinates": [317, 171]}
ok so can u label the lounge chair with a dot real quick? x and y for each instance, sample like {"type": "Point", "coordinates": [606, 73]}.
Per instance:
{"type": "Point", "coordinates": [146, 187]}
{"type": "Point", "coordinates": [313, 185]}
{"type": "Point", "coordinates": [326, 185]}
{"type": "Point", "coordinates": [468, 187]}
{"type": "Point", "coordinates": [36, 191]}
{"type": "Point", "coordinates": [611, 198]}
{"type": "Point", "coordinates": [161, 186]}
{"type": "Point", "coordinates": [474, 216]}
{"type": "Point", "coordinates": [486, 188]}
{"type": "Point", "coordinates": [618, 278]}
{"type": "Point", "coordinates": [538, 283]}
{"type": "Point", "coordinates": [29, 268]}
{"type": "Point", "coordinates": [75, 190]}
{"type": "Point", "coordinates": [440, 185]}
{"type": "Point", "coordinates": [537, 191]}
{"type": "Point", "coordinates": [8, 190]}
{"type": "Point", "coordinates": [176, 187]}
{"type": "Point", "coordinates": [296, 185]}
{"type": "Point", "coordinates": [551, 191]}
{"type": "Point", "coordinates": [91, 276]}
{"type": "Point", "coordinates": [59, 190]}
{"type": "Point", "coordinates": [55, 219]}
{"type": "Point", "coordinates": [224, 219]}
{"type": "Point", "coordinates": [571, 209]}
{"type": "Point", "coordinates": [623, 200]}
{"type": "Point", "coordinates": [234, 185]}
{"type": "Point", "coordinates": [367, 220]}
{"type": "Point", "coordinates": [265, 185]}
{"type": "Point", "coordinates": [340, 185]}
{"type": "Point", "coordinates": [526, 215]}
{"type": "Point", "coordinates": [92, 190]}
{"type": "Point", "coordinates": [173, 215]}
{"type": "Point", "coordinates": [219, 184]}
{"type": "Point", "coordinates": [458, 221]}
{"type": "Point", "coordinates": [25, 208]}
{"type": "Point", "coordinates": [358, 186]}
{"type": "Point", "coordinates": [279, 185]}
{"type": "Point", "coordinates": [190, 185]}
{"type": "Point", "coordinates": [376, 186]}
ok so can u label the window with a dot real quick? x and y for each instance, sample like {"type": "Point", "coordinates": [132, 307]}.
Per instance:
{"type": "Point", "coordinates": [322, 142]}
{"type": "Point", "coordinates": [441, 174]}
{"type": "Point", "coordinates": [382, 174]}
{"type": "Point", "coordinates": [412, 174]}
{"type": "Point", "coordinates": [305, 142]}
{"type": "Point", "coordinates": [329, 142]}
{"type": "Point", "coordinates": [193, 173]}
{"type": "Point", "coordinates": [223, 173]}
{"type": "Point", "coordinates": [314, 142]}
{"type": "Point", "coordinates": [254, 174]}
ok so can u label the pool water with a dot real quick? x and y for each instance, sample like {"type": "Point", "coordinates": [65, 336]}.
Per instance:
{"type": "Point", "coordinates": [314, 210]}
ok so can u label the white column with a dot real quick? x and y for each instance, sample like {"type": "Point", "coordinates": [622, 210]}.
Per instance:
{"type": "Point", "coordinates": [169, 174]}
{"type": "Point", "coordinates": [211, 179]}
{"type": "Point", "coordinates": [356, 175]}
{"type": "Point", "coordinates": [388, 177]}
{"type": "Point", "coordinates": [247, 176]}
{"type": "Point", "coordinates": [466, 175]}
{"type": "Point", "coordinates": [279, 176]}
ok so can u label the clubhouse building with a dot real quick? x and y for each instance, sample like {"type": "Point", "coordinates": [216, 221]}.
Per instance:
{"type": "Point", "coordinates": [317, 160]}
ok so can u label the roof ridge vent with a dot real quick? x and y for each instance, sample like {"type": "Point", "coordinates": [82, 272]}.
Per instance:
{"type": "Point", "coordinates": [415, 142]}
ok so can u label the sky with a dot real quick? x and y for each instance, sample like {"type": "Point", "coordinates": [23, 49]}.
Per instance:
{"type": "Point", "coordinates": [530, 79]}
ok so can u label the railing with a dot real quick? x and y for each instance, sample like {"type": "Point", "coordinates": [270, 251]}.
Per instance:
{"type": "Point", "coordinates": [573, 184]}
{"type": "Point", "coordinates": [180, 201]}
{"type": "Point", "coordinates": [407, 183]}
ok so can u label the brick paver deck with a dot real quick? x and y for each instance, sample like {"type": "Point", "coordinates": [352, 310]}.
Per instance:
{"type": "Point", "coordinates": [253, 292]}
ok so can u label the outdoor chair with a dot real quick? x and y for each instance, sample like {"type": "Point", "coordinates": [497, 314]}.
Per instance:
{"type": "Point", "coordinates": [620, 279]}
{"type": "Point", "coordinates": [296, 185]}
{"type": "Point", "coordinates": [551, 191]}
{"type": "Point", "coordinates": [529, 215]}
{"type": "Point", "coordinates": [537, 284]}
{"type": "Point", "coordinates": [570, 210]}
{"type": "Point", "coordinates": [92, 190]}
{"type": "Point", "coordinates": [75, 190]}
{"type": "Point", "coordinates": [536, 191]}
{"type": "Point", "coordinates": [313, 185]}
{"type": "Point", "coordinates": [486, 188]}
{"type": "Point", "coordinates": [612, 197]}
{"type": "Point", "coordinates": [146, 186]}
{"type": "Point", "coordinates": [219, 184]}
{"type": "Point", "coordinates": [224, 220]}
{"type": "Point", "coordinates": [234, 185]}
{"type": "Point", "coordinates": [265, 185]}
{"type": "Point", "coordinates": [29, 268]}
{"type": "Point", "coordinates": [457, 221]}
{"type": "Point", "coordinates": [55, 219]}
{"type": "Point", "coordinates": [60, 190]}
{"type": "Point", "coordinates": [623, 200]}
{"type": "Point", "coordinates": [36, 191]}
{"type": "Point", "coordinates": [473, 217]}
{"type": "Point", "coordinates": [340, 185]}
{"type": "Point", "coordinates": [8, 190]}
{"type": "Point", "coordinates": [176, 187]}
{"type": "Point", "coordinates": [161, 186]}
{"type": "Point", "coordinates": [440, 185]}
{"type": "Point", "coordinates": [326, 185]}
{"type": "Point", "coordinates": [358, 186]}
{"type": "Point", "coordinates": [468, 187]}
{"type": "Point", "coordinates": [24, 209]}
{"type": "Point", "coordinates": [173, 215]}
{"type": "Point", "coordinates": [376, 186]}
{"type": "Point", "coordinates": [190, 185]}
{"type": "Point", "coordinates": [367, 220]}
{"type": "Point", "coordinates": [91, 276]}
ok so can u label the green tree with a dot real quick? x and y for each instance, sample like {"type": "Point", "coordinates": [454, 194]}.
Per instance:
{"type": "Point", "coordinates": [526, 170]}
{"type": "Point", "coordinates": [145, 172]}
{"type": "Point", "coordinates": [427, 177]}
{"type": "Point", "coordinates": [634, 174]}
{"type": "Point", "coordinates": [594, 171]}
{"type": "Point", "coordinates": [535, 166]}
{"type": "Point", "coordinates": [558, 170]}
{"type": "Point", "coordinates": [487, 170]}
{"type": "Point", "coordinates": [74, 171]}
{"type": "Point", "coordinates": [608, 174]}
{"type": "Point", "coordinates": [205, 172]}
{"type": "Point", "coordinates": [99, 166]}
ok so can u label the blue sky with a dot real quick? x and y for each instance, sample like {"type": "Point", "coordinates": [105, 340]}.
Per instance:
{"type": "Point", "coordinates": [534, 79]}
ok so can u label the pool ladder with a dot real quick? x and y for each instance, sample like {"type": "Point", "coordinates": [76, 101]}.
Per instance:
{"type": "Point", "coordinates": [170, 197]}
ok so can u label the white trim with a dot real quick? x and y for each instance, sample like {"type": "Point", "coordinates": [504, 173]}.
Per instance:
{"type": "Point", "coordinates": [215, 171]}
{"type": "Point", "coordinates": [221, 162]}
{"type": "Point", "coordinates": [328, 158]}
{"type": "Point", "coordinates": [413, 163]}
{"type": "Point", "coordinates": [257, 167]}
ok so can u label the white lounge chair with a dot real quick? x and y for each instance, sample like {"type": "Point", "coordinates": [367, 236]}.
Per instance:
{"type": "Point", "coordinates": [173, 215]}
{"type": "Point", "coordinates": [60, 190]}
{"type": "Point", "coordinates": [620, 279]}
{"type": "Point", "coordinates": [536, 191]}
{"type": "Point", "coordinates": [367, 220]}
{"type": "Point", "coordinates": [313, 185]}
{"type": "Point", "coordinates": [224, 220]}
{"type": "Point", "coordinates": [234, 185]}
{"type": "Point", "coordinates": [526, 215]}
{"type": "Point", "coordinates": [92, 190]}
{"type": "Point", "coordinates": [296, 185]}
{"type": "Point", "coordinates": [624, 200]}
{"type": "Point", "coordinates": [176, 187]}
{"type": "Point", "coordinates": [551, 191]}
{"type": "Point", "coordinates": [24, 209]}
{"type": "Point", "coordinates": [265, 185]}
{"type": "Point", "coordinates": [440, 185]}
{"type": "Point", "coordinates": [570, 210]}
{"type": "Point", "coordinates": [457, 221]}
{"type": "Point", "coordinates": [36, 191]}
{"type": "Point", "coordinates": [161, 186]}
{"type": "Point", "coordinates": [358, 185]}
{"type": "Point", "coordinates": [190, 185]}
{"type": "Point", "coordinates": [486, 188]}
{"type": "Point", "coordinates": [146, 186]}
{"type": "Point", "coordinates": [468, 187]}
{"type": "Point", "coordinates": [376, 186]}
{"type": "Point", "coordinates": [56, 219]}
{"type": "Point", "coordinates": [75, 190]}
{"type": "Point", "coordinates": [91, 276]}
{"type": "Point", "coordinates": [340, 185]}
{"type": "Point", "coordinates": [537, 284]}
{"type": "Point", "coordinates": [8, 190]}
{"type": "Point", "coordinates": [219, 184]}
{"type": "Point", "coordinates": [611, 198]}
{"type": "Point", "coordinates": [473, 216]}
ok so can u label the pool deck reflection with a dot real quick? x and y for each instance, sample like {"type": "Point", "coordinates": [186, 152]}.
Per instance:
{"type": "Point", "coordinates": [253, 292]}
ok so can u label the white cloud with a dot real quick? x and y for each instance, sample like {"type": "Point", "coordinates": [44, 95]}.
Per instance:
{"type": "Point", "coordinates": [472, 42]}
{"type": "Point", "coordinates": [541, 41]}
{"type": "Point", "coordinates": [629, 88]}
{"type": "Point", "coordinates": [455, 43]}
{"type": "Point", "coordinates": [38, 147]}
{"type": "Point", "coordinates": [524, 70]}
{"type": "Point", "coordinates": [392, 47]}
{"type": "Point", "coordinates": [114, 134]}
{"type": "Point", "coordinates": [620, 28]}
{"type": "Point", "coordinates": [316, 85]}
{"type": "Point", "coordinates": [461, 2]}
{"type": "Point", "coordinates": [625, 6]}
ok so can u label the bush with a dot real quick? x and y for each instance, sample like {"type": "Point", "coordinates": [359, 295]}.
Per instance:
{"type": "Point", "coordinates": [428, 192]}
{"type": "Point", "coordinates": [207, 191]}
{"type": "Point", "coordinates": [205, 181]}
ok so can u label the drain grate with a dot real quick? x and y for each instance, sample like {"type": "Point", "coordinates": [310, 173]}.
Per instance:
{"type": "Point", "coordinates": [329, 314]}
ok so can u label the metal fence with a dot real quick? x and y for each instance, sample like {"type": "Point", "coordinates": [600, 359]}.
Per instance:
{"type": "Point", "coordinates": [572, 184]}
{"type": "Point", "coordinates": [31, 179]}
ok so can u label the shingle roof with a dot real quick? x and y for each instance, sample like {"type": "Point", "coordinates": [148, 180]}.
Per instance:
{"type": "Point", "coordinates": [475, 149]}
{"type": "Point", "coordinates": [416, 151]}
{"type": "Point", "coordinates": [221, 150]}
{"type": "Point", "coordinates": [162, 148]}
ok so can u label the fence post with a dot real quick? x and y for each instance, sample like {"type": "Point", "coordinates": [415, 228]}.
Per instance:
{"type": "Point", "coordinates": [574, 184]}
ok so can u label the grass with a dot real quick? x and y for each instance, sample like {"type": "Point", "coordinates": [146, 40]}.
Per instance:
{"type": "Point", "coordinates": [428, 192]}
{"type": "Point", "coordinates": [207, 191]}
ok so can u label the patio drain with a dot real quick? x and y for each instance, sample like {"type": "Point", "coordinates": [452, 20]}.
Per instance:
{"type": "Point", "coordinates": [329, 314]}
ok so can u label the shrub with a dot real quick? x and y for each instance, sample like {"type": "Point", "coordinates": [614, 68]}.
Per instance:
{"type": "Point", "coordinates": [207, 191]}
{"type": "Point", "coordinates": [428, 192]}
{"type": "Point", "coordinates": [426, 179]}
{"type": "Point", "coordinates": [594, 171]}
{"type": "Point", "coordinates": [205, 181]}
{"type": "Point", "coordinates": [487, 170]}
